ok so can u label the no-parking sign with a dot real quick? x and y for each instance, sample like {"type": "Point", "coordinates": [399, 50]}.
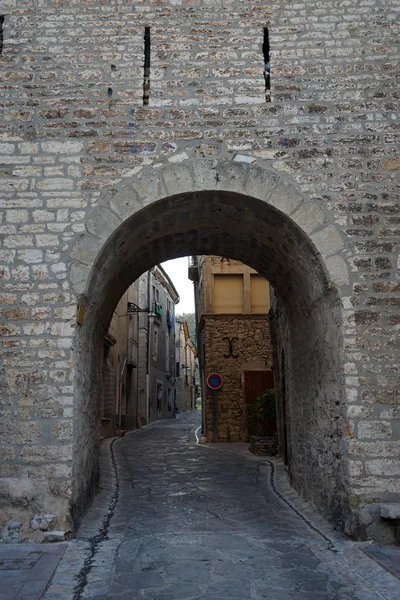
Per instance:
{"type": "Point", "coordinates": [214, 381]}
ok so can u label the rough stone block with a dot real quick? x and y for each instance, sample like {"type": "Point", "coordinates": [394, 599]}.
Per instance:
{"type": "Point", "coordinates": [309, 217]}
{"type": "Point", "coordinates": [62, 430]}
{"type": "Point", "coordinates": [125, 202]}
{"type": "Point", "coordinates": [178, 158]}
{"type": "Point", "coordinates": [383, 466]}
{"type": "Point", "coordinates": [21, 491]}
{"type": "Point", "coordinates": [178, 179]}
{"type": "Point", "coordinates": [79, 275]}
{"type": "Point", "coordinates": [99, 147]}
{"type": "Point", "coordinates": [149, 186]}
{"type": "Point", "coordinates": [338, 270]}
{"type": "Point", "coordinates": [374, 430]}
{"type": "Point", "coordinates": [103, 222]}
{"type": "Point", "coordinates": [285, 197]}
{"type": "Point", "coordinates": [11, 533]}
{"type": "Point", "coordinates": [328, 241]}
{"type": "Point", "coordinates": [7, 149]}
{"type": "Point", "coordinates": [392, 164]}
{"type": "Point", "coordinates": [231, 176]}
{"type": "Point", "coordinates": [63, 147]}
{"type": "Point", "coordinates": [55, 184]}
{"type": "Point", "coordinates": [86, 248]}
{"type": "Point", "coordinates": [24, 432]}
{"type": "Point", "coordinates": [54, 536]}
{"type": "Point", "coordinates": [261, 183]}
{"type": "Point", "coordinates": [390, 511]}
{"type": "Point", "coordinates": [205, 174]}
{"type": "Point", "coordinates": [43, 522]}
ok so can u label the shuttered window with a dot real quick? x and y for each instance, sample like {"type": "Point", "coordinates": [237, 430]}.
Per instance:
{"type": "Point", "coordinates": [228, 293]}
{"type": "Point", "coordinates": [259, 292]}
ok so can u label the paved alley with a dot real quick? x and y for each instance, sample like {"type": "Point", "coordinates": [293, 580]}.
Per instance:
{"type": "Point", "coordinates": [193, 522]}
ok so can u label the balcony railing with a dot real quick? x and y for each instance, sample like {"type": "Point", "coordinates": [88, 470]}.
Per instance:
{"type": "Point", "coordinates": [158, 310]}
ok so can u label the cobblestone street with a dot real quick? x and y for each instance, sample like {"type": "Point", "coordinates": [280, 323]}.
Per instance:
{"type": "Point", "coordinates": [195, 522]}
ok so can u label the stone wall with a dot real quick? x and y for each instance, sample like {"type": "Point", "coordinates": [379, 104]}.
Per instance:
{"type": "Point", "coordinates": [97, 188]}
{"type": "Point", "coordinates": [185, 357]}
{"type": "Point", "coordinates": [254, 353]}
{"type": "Point", "coordinates": [114, 370]}
{"type": "Point", "coordinates": [313, 429]}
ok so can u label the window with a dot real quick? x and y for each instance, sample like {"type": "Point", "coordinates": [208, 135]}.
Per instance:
{"type": "Point", "coordinates": [159, 395]}
{"type": "Point", "coordinates": [155, 344]}
{"type": "Point", "coordinates": [228, 294]}
{"type": "Point", "coordinates": [259, 294]}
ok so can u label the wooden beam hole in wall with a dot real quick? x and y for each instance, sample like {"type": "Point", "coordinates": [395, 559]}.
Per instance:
{"type": "Point", "coordinates": [267, 66]}
{"type": "Point", "coordinates": [146, 72]}
{"type": "Point", "coordinates": [1, 33]}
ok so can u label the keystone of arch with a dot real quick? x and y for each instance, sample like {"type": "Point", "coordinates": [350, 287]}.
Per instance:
{"type": "Point", "coordinates": [160, 181]}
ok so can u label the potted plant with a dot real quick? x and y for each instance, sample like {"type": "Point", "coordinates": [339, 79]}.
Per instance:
{"type": "Point", "coordinates": [261, 424]}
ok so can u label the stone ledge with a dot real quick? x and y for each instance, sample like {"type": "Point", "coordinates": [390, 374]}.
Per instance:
{"type": "Point", "coordinates": [390, 511]}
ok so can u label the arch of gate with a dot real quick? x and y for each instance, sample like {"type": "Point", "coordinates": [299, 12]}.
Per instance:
{"type": "Point", "coordinates": [251, 214]}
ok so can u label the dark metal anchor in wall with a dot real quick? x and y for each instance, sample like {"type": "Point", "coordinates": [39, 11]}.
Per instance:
{"type": "Point", "coordinates": [230, 347]}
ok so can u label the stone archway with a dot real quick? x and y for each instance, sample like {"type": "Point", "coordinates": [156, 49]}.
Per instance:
{"type": "Point", "coordinates": [250, 213]}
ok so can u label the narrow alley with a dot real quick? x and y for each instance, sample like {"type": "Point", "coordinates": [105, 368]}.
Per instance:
{"type": "Point", "coordinates": [192, 522]}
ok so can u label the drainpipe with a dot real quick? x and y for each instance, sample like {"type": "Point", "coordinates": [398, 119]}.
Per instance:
{"type": "Point", "coordinates": [148, 381]}
{"type": "Point", "coordinates": [119, 395]}
{"type": "Point", "coordinates": [199, 348]}
{"type": "Point", "coordinates": [137, 366]}
{"type": "Point", "coordinates": [179, 361]}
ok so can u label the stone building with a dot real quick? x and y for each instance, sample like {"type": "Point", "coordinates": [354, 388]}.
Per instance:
{"type": "Point", "coordinates": [232, 305]}
{"type": "Point", "coordinates": [108, 168]}
{"type": "Point", "coordinates": [156, 363]}
{"type": "Point", "coordinates": [185, 367]}
{"type": "Point", "coordinates": [138, 379]}
{"type": "Point", "coordinates": [119, 393]}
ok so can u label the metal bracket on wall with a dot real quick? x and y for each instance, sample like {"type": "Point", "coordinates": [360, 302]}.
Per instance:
{"type": "Point", "coordinates": [230, 347]}
{"type": "Point", "coordinates": [134, 308]}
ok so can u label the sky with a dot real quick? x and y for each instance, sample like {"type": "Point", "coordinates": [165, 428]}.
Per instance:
{"type": "Point", "coordinates": [177, 269]}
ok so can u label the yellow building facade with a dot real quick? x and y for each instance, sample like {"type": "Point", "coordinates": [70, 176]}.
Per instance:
{"type": "Point", "coordinates": [232, 306]}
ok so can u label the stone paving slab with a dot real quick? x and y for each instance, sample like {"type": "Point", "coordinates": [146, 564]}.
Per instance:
{"type": "Point", "coordinates": [387, 556]}
{"type": "Point", "coordinates": [26, 569]}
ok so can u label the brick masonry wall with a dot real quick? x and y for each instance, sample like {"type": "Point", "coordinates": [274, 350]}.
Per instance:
{"type": "Point", "coordinates": [74, 126]}
{"type": "Point", "coordinates": [254, 353]}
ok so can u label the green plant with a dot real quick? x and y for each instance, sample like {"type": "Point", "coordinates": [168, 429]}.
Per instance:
{"type": "Point", "coordinates": [266, 403]}
{"type": "Point", "coordinates": [261, 416]}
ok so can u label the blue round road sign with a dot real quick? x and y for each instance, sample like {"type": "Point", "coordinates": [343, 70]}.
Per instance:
{"type": "Point", "coordinates": [214, 381]}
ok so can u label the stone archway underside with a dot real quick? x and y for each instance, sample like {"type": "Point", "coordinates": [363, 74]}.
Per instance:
{"type": "Point", "coordinates": [250, 214]}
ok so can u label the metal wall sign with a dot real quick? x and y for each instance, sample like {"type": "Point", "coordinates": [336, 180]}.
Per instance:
{"type": "Point", "coordinates": [214, 381]}
{"type": "Point", "coordinates": [230, 347]}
